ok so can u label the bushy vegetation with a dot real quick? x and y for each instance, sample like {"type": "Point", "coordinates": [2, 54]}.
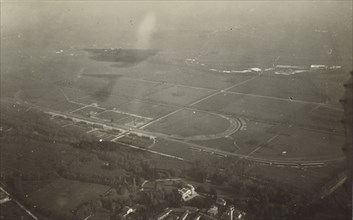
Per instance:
{"type": "Point", "coordinates": [263, 198]}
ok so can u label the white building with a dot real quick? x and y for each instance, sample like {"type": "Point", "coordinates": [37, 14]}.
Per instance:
{"type": "Point", "coordinates": [255, 69]}
{"type": "Point", "coordinates": [318, 67]}
{"type": "Point", "coordinates": [289, 67]}
{"type": "Point", "coordinates": [186, 191]}
{"type": "Point", "coordinates": [126, 211]}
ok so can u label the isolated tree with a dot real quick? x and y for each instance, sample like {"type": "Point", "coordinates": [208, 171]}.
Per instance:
{"type": "Point", "coordinates": [201, 189]}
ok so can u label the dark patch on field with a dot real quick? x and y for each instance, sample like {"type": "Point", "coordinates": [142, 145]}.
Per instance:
{"type": "Point", "coordinates": [122, 57]}
{"type": "Point", "coordinates": [105, 91]}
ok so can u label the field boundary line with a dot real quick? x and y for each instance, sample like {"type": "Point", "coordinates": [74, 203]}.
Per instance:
{"type": "Point", "coordinates": [220, 91]}
{"type": "Point", "coordinates": [169, 83]}
{"type": "Point", "coordinates": [276, 98]}
{"type": "Point", "coordinates": [195, 102]}
{"type": "Point", "coordinates": [160, 118]}
{"type": "Point", "coordinates": [261, 145]}
{"type": "Point", "coordinates": [240, 83]}
{"type": "Point", "coordinates": [80, 108]}
{"type": "Point", "coordinates": [316, 107]}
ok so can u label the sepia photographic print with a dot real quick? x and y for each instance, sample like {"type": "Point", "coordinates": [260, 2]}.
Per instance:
{"type": "Point", "coordinates": [176, 110]}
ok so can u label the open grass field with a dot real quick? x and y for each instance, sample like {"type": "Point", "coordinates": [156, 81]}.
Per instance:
{"type": "Point", "coordinates": [188, 123]}
{"type": "Point", "coordinates": [295, 117]}
{"type": "Point", "coordinates": [286, 87]}
{"type": "Point", "coordinates": [72, 93]}
{"type": "Point", "coordinates": [275, 109]}
{"type": "Point", "coordinates": [178, 95]}
{"type": "Point", "coordinates": [133, 121]}
{"type": "Point", "coordinates": [51, 98]}
{"type": "Point", "coordinates": [223, 143]}
{"type": "Point", "coordinates": [252, 136]}
{"type": "Point", "coordinates": [80, 127]}
{"type": "Point", "coordinates": [251, 106]}
{"type": "Point", "coordinates": [30, 186]}
{"type": "Point", "coordinates": [146, 109]}
{"type": "Point", "coordinates": [88, 111]}
{"type": "Point", "coordinates": [135, 88]}
{"type": "Point", "coordinates": [112, 116]}
{"type": "Point", "coordinates": [66, 195]}
{"type": "Point", "coordinates": [108, 103]}
{"type": "Point", "coordinates": [302, 144]}
{"type": "Point", "coordinates": [65, 106]}
{"type": "Point", "coordinates": [182, 74]}
{"type": "Point", "coordinates": [176, 149]}
{"type": "Point", "coordinates": [320, 118]}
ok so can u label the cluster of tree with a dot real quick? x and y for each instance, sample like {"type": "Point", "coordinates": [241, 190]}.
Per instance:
{"type": "Point", "coordinates": [158, 199]}
{"type": "Point", "coordinates": [119, 156]}
{"type": "Point", "coordinates": [146, 203]}
{"type": "Point", "coordinates": [35, 125]}
{"type": "Point", "coordinates": [263, 198]}
{"type": "Point", "coordinates": [133, 161]}
{"type": "Point", "coordinates": [98, 146]}
{"type": "Point", "coordinates": [116, 181]}
{"type": "Point", "coordinates": [155, 200]}
{"type": "Point", "coordinates": [336, 206]}
{"type": "Point", "coordinates": [128, 161]}
{"type": "Point", "coordinates": [202, 202]}
{"type": "Point", "coordinates": [123, 185]}
{"type": "Point", "coordinates": [216, 170]}
{"type": "Point", "coordinates": [88, 208]}
{"type": "Point", "coordinates": [140, 141]}
{"type": "Point", "coordinates": [113, 206]}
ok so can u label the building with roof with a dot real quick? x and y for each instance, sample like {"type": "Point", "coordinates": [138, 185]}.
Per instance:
{"type": "Point", "coordinates": [233, 214]}
{"type": "Point", "coordinates": [126, 211]}
{"type": "Point", "coordinates": [186, 192]}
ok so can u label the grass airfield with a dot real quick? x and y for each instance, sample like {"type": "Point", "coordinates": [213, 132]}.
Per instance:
{"type": "Point", "coordinates": [192, 103]}
{"type": "Point", "coordinates": [260, 114]}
